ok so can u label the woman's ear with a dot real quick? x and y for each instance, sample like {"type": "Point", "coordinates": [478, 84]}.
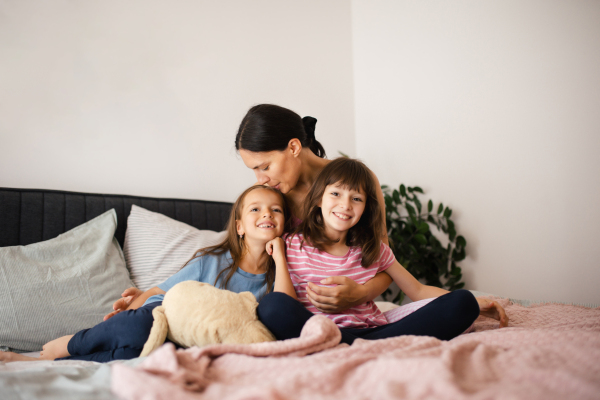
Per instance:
{"type": "Point", "coordinates": [294, 147]}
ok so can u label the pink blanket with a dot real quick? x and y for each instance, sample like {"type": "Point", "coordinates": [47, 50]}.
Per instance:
{"type": "Point", "coordinates": [549, 351]}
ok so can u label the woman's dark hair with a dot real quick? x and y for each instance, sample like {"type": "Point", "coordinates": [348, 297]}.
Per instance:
{"type": "Point", "coordinates": [267, 127]}
{"type": "Point", "coordinates": [367, 233]}
{"type": "Point", "coordinates": [237, 246]}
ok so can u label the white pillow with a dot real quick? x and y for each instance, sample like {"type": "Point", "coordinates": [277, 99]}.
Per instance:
{"type": "Point", "coordinates": [60, 286]}
{"type": "Point", "coordinates": [157, 246]}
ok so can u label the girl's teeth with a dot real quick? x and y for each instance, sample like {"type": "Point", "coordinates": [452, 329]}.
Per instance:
{"type": "Point", "coordinates": [342, 216]}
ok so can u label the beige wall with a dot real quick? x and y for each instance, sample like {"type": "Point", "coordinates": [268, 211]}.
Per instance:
{"type": "Point", "coordinates": [493, 108]}
{"type": "Point", "coordinates": [145, 97]}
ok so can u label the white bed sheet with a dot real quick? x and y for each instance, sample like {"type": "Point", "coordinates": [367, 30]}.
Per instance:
{"type": "Point", "coordinates": [69, 379]}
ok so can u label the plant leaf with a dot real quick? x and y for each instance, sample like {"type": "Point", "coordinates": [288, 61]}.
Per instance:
{"type": "Point", "coordinates": [429, 206]}
{"type": "Point", "coordinates": [440, 208]}
{"type": "Point", "coordinates": [418, 189]}
{"type": "Point", "coordinates": [396, 196]}
{"type": "Point", "coordinates": [403, 190]}
{"type": "Point", "coordinates": [421, 238]}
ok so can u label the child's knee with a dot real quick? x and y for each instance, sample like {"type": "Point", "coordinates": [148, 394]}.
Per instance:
{"type": "Point", "coordinates": [271, 305]}
{"type": "Point", "coordinates": [466, 303]}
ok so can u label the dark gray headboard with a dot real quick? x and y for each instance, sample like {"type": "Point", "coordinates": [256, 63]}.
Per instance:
{"type": "Point", "coordinates": [33, 215]}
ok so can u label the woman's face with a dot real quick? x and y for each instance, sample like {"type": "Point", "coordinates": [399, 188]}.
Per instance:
{"type": "Point", "coordinates": [278, 169]}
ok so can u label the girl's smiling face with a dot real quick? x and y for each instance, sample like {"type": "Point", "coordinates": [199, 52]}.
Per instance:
{"type": "Point", "coordinates": [278, 169]}
{"type": "Point", "coordinates": [341, 208]}
{"type": "Point", "coordinates": [261, 216]}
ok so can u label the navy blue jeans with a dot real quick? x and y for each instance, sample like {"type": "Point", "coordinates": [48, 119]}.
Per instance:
{"type": "Point", "coordinates": [121, 337]}
{"type": "Point", "coordinates": [444, 318]}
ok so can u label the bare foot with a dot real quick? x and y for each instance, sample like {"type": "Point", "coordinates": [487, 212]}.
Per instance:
{"type": "Point", "coordinates": [56, 348]}
{"type": "Point", "coordinates": [9, 356]}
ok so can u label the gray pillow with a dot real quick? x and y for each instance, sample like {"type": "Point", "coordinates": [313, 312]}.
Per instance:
{"type": "Point", "coordinates": [60, 286]}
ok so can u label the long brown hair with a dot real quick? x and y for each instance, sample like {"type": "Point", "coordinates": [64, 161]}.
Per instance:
{"type": "Point", "coordinates": [234, 244]}
{"type": "Point", "coordinates": [366, 234]}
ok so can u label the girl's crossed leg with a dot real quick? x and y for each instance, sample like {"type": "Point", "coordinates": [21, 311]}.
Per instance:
{"type": "Point", "coordinates": [444, 318]}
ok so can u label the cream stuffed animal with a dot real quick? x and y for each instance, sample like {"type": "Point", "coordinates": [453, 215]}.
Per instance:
{"type": "Point", "coordinates": [198, 314]}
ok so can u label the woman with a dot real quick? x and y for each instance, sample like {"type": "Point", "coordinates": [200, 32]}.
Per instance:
{"type": "Point", "coordinates": [280, 147]}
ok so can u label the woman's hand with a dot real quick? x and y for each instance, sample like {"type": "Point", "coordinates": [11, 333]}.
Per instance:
{"type": "Point", "coordinates": [276, 248]}
{"type": "Point", "coordinates": [127, 297]}
{"type": "Point", "coordinates": [490, 308]}
{"type": "Point", "coordinates": [336, 299]}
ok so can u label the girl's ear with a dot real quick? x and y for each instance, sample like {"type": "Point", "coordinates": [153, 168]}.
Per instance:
{"type": "Point", "coordinates": [239, 227]}
{"type": "Point", "coordinates": [294, 147]}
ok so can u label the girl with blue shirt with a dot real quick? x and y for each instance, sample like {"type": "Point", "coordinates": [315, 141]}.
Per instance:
{"type": "Point", "coordinates": [239, 264]}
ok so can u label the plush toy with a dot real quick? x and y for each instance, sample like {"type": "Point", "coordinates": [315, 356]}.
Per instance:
{"type": "Point", "coordinates": [198, 314]}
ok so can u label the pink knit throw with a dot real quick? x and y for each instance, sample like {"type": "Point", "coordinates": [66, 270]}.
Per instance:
{"type": "Point", "coordinates": [549, 351]}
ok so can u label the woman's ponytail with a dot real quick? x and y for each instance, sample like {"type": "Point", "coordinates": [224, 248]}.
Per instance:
{"type": "Point", "coordinates": [312, 143]}
{"type": "Point", "coordinates": [267, 127]}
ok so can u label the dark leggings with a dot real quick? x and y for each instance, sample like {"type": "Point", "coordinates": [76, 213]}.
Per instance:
{"type": "Point", "coordinates": [121, 337]}
{"type": "Point", "coordinates": [444, 318]}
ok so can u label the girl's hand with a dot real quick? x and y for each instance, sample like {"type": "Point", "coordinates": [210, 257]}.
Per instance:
{"type": "Point", "coordinates": [127, 297]}
{"type": "Point", "coordinates": [490, 308]}
{"type": "Point", "coordinates": [336, 299]}
{"type": "Point", "coordinates": [276, 247]}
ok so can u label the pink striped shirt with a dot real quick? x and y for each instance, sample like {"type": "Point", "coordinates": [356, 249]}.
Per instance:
{"type": "Point", "coordinates": [310, 264]}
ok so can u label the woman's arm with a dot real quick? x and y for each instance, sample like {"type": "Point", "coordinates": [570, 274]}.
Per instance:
{"type": "Point", "coordinates": [283, 282]}
{"type": "Point", "coordinates": [347, 293]}
{"type": "Point", "coordinates": [138, 302]}
{"type": "Point", "coordinates": [132, 298]}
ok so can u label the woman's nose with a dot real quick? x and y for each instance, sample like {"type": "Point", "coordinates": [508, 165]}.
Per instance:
{"type": "Point", "coordinates": [262, 179]}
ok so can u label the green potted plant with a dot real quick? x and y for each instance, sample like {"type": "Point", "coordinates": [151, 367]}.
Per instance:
{"type": "Point", "coordinates": [414, 244]}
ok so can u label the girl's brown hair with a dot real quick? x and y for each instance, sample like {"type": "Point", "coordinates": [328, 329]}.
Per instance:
{"type": "Point", "coordinates": [366, 234]}
{"type": "Point", "coordinates": [236, 245]}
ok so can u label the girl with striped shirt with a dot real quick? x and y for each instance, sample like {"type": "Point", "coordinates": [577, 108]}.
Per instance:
{"type": "Point", "coordinates": [340, 236]}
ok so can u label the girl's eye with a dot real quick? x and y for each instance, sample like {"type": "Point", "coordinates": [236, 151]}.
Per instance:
{"type": "Point", "coordinates": [334, 193]}
{"type": "Point", "coordinates": [358, 199]}
{"type": "Point", "coordinates": [254, 209]}
{"type": "Point", "coordinates": [277, 210]}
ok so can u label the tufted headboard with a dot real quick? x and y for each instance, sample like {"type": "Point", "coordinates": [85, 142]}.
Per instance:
{"type": "Point", "coordinates": [33, 215]}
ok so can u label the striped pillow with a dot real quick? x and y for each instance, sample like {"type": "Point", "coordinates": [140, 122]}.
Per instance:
{"type": "Point", "coordinates": [60, 286]}
{"type": "Point", "coordinates": [157, 246]}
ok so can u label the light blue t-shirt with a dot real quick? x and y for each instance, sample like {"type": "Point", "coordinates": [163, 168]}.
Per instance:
{"type": "Point", "coordinates": [206, 268]}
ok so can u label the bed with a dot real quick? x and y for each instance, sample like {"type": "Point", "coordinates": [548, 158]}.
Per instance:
{"type": "Point", "coordinates": [549, 350]}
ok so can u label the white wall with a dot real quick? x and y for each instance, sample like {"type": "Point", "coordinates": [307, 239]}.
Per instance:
{"type": "Point", "coordinates": [145, 97]}
{"type": "Point", "coordinates": [493, 108]}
